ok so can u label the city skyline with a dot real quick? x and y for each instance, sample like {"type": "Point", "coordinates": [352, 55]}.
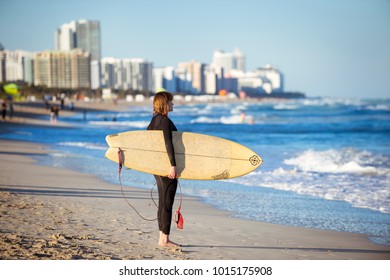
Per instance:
{"type": "Point", "coordinates": [324, 48]}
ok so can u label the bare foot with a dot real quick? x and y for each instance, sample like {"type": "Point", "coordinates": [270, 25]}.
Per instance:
{"type": "Point", "coordinates": [165, 242]}
{"type": "Point", "coordinates": [169, 244]}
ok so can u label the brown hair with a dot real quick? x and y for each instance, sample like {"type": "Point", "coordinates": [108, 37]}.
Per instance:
{"type": "Point", "coordinates": [160, 102]}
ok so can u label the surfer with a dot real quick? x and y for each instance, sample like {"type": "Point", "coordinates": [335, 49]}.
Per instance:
{"type": "Point", "coordinates": [162, 104]}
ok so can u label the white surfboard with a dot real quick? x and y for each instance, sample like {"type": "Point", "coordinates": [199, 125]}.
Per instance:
{"type": "Point", "coordinates": [198, 156]}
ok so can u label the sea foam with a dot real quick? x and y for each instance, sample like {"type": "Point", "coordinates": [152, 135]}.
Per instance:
{"type": "Point", "coordinates": [337, 161]}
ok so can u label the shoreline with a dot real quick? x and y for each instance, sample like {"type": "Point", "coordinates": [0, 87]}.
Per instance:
{"type": "Point", "coordinates": [35, 113]}
{"type": "Point", "coordinates": [53, 213]}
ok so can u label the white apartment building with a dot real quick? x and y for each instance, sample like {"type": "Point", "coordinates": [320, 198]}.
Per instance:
{"type": "Point", "coordinates": [223, 60]}
{"type": "Point", "coordinates": [211, 80]}
{"type": "Point", "coordinates": [96, 73]}
{"type": "Point", "coordinates": [274, 76]}
{"type": "Point", "coordinates": [64, 37]}
{"type": "Point", "coordinates": [263, 80]}
{"type": "Point", "coordinates": [127, 74]}
{"type": "Point", "coordinates": [196, 71]}
{"type": "Point", "coordinates": [109, 66]}
{"type": "Point", "coordinates": [85, 35]}
{"type": "Point", "coordinates": [2, 66]}
{"type": "Point", "coordinates": [62, 69]}
{"type": "Point", "coordinates": [170, 83]}
{"type": "Point", "coordinates": [184, 81]}
{"type": "Point", "coordinates": [158, 78]}
{"type": "Point", "coordinates": [82, 34]}
{"type": "Point", "coordinates": [140, 72]}
{"type": "Point", "coordinates": [173, 79]}
{"type": "Point", "coordinates": [229, 61]}
{"type": "Point", "coordinates": [239, 61]}
{"type": "Point", "coordinates": [16, 66]}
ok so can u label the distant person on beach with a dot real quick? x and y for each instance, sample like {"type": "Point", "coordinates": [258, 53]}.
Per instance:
{"type": "Point", "coordinates": [242, 116]}
{"type": "Point", "coordinates": [4, 109]}
{"type": "Point", "coordinates": [47, 99]}
{"type": "Point", "coordinates": [162, 104]}
{"type": "Point", "coordinates": [54, 110]}
{"type": "Point", "coordinates": [11, 109]}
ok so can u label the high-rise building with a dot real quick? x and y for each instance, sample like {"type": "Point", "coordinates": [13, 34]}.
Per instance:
{"type": "Point", "coordinates": [184, 81]}
{"type": "Point", "coordinates": [81, 34]}
{"type": "Point", "coordinates": [223, 60]}
{"type": "Point", "coordinates": [229, 61]}
{"type": "Point", "coordinates": [2, 66]}
{"type": "Point", "coordinates": [85, 35]}
{"type": "Point", "coordinates": [96, 73]}
{"type": "Point", "coordinates": [109, 76]}
{"type": "Point", "coordinates": [125, 74]}
{"type": "Point", "coordinates": [211, 80]}
{"type": "Point", "coordinates": [62, 69]}
{"type": "Point", "coordinates": [265, 80]}
{"type": "Point", "coordinates": [16, 66]}
{"type": "Point", "coordinates": [196, 71]}
{"type": "Point", "coordinates": [88, 37]}
{"type": "Point", "coordinates": [239, 60]}
{"type": "Point", "coordinates": [140, 73]}
{"type": "Point", "coordinates": [274, 76]}
{"type": "Point", "coordinates": [65, 37]}
{"type": "Point", "coordinates": [170, 80]}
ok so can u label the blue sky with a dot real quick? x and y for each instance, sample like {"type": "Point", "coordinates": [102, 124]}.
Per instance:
{"type": "Point", "coordinates": [335, 48]}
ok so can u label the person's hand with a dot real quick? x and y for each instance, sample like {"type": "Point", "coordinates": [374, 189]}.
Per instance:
{"type": "Point", "coordinates": [172, 172]}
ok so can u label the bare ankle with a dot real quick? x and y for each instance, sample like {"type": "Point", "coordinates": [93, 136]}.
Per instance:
{"type": "Point", "coordinates": [164, 238]}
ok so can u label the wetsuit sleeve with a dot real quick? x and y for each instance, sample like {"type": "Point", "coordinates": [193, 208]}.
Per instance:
{"type": "Point", "coordinates": [167, 131]}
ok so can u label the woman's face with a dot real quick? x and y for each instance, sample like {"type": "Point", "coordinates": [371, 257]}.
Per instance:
{"type": "Point", "coordinates": [170, 106]}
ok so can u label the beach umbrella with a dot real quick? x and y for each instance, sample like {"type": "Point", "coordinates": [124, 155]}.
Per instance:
{"type": "Point", "coordinates": [11, 89]}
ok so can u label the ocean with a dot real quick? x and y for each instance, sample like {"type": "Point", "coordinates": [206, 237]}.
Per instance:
{"type": "Point", "coordinates": [326, 160]}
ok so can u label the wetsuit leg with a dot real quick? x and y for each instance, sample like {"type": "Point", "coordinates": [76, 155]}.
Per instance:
{"type": "Point", "coordinates": [166, 197]}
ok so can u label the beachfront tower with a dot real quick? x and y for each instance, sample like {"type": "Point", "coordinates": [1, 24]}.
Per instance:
{"type": "Point", "coordinates": [229, 61]}
{"type": "Point", "coordinates": [223, 60]}
{"type": "Point", "coordinates": [239, 60]}
{"type": "Point", "coordinates": [62, 69]}
{"type": "Point", "coordinates": [84, 35]}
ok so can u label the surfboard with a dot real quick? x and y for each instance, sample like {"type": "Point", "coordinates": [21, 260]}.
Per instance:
{"type": "Point", "coordinates": [198, 156]}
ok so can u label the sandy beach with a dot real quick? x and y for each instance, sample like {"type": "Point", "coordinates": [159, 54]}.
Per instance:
{"type": "Point", "coordinates": [35, 113]}
{"type": "Point", "coordinates": [53, 213]}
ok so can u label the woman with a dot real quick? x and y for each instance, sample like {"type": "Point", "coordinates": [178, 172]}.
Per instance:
{"type": "Point", "coordinates": [162, 104]}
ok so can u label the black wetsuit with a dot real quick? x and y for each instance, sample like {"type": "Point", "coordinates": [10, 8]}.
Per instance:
{"type": "Point", "coordinates": [166, 187]}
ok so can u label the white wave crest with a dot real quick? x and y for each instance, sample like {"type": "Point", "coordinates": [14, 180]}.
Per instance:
{"type": "Point", "coordinates": [337, 161]}
{"type": "Point", "coordinates": [368, 192]}
{"type": "Point", "coordinates": [87, 145]}
{"type": "Point", "coordinates": [205, 120]}
{"type": "Point", "coordinates": [285, 106]}
{"type": "Point", "coordinates": [328, 101]}
{"type": "Point", "coordinates": [378, 107]}
{"type": "Point", "coordinates": [234, 119]}
{"type": "Point", "coordinates": [137, 124]}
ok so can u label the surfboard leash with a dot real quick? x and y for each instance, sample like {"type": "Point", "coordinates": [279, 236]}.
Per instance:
{"type": "Point", "coordinates": [120, 161]}
{"type": "Point", "coordinates": [179, 220]}
{"type": "Point", "coordinates": [178, 216]}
